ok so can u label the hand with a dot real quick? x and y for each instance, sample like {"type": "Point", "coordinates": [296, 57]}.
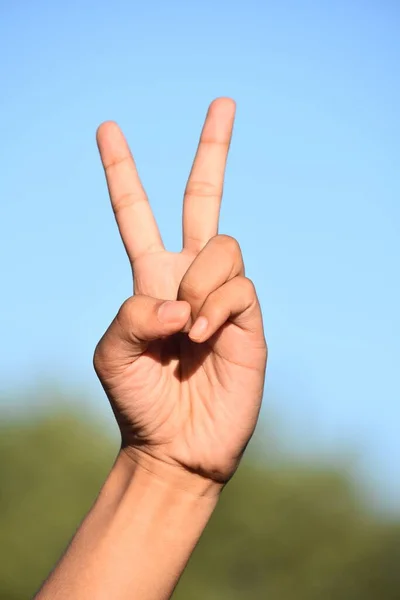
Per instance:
{"type": "Point", "coordinates": [184, 377]}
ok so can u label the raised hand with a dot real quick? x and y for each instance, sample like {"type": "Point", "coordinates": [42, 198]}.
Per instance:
{"type": "Point", "coordinates": [183, 362]}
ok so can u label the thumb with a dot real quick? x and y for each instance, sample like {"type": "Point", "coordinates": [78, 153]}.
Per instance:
{"type": "Point", "coordinates": [140, 320]}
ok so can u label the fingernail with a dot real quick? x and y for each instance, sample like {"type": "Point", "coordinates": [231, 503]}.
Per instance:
{"type": "Point", "coordinates": [199, 328]}
{"type": "Point", "coordinates": [170, 311]}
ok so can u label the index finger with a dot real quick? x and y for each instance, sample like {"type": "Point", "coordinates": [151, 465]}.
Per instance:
{"type": "Point", "coordinates": [135, 219]}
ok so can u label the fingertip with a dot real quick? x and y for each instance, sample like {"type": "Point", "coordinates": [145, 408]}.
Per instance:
{"type": "Point", "coordinates": [106, 129]}
{"type": "Point", "coordinates": [198, 331]}
{"type": "Point", "coordinates": [223, 104]}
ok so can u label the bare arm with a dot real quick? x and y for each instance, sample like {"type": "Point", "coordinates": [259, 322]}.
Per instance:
{"type": "Point", "coordinates": [137, 538]}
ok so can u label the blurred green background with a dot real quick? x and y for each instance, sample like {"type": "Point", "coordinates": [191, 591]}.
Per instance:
{"type": "Point", "coordinates": [312, 195]}
{"type": "Point", "coordinates": [285, 529]}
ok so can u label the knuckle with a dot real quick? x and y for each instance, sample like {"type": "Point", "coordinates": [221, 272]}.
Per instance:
{"type": "Point", "coordinates": [218, 309]}
{"type": "Point", "coordinates": [126, 200]}
{"type": "Point", "coordinates": [202, 189]}
{"type": "Point", "coordinates": [247, 287]}
{"type": "Point", "coordinates": [229, 244]}
{"type": "Point", "coordinates": [190, 289]}
{"type": "Point", "coordinates": [126, 308]}
{"type": "Point", "coordinates": [126, 314]}
{"type": "Point", "coordinates": [115, 162]}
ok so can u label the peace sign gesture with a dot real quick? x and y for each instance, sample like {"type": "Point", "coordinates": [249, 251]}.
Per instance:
{"type": "Point", "coordinates": [183, 362]}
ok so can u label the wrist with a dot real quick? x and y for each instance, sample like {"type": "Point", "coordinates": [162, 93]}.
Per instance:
{"type": "Point", "coordinates": [166, 476]}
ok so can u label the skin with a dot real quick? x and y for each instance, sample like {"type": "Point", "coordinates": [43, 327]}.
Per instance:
{"type": "Point", "coordinates": [183, 365]}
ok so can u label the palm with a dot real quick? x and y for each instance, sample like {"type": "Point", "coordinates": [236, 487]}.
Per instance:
{"type": "Point", "coordinates": [189, 403]}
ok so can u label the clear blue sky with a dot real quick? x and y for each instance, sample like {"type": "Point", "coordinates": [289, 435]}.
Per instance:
{"type": "Point", "coordinates": [312, 190]}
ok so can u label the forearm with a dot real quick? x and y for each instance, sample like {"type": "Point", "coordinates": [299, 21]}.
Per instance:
{"type": "Point", "coordinates": [137, 538]}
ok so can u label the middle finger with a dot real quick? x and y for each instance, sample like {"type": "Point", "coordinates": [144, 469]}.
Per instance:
{"type": "Point", "coordinates": [203, 192]}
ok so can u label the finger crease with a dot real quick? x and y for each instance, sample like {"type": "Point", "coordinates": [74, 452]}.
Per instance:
{"type": "Point", "coordinates": [127, 200]}
{"type": "Point", "coordinates": [116, 162]}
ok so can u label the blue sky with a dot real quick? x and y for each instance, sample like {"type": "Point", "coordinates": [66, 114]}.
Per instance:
{"type": "Point", "coordinates": [312, 191]}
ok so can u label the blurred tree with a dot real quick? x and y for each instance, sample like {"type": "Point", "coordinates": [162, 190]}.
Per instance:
{"type": "Point", "coordinates": [51, 471]}
{"type": "Point", "coordinates": [279, 533]}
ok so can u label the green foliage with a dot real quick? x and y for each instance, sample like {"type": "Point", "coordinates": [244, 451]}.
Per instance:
{"type": "Point", "coordinates": [51, 472]}
{"type": "Point", "coordinates": [292, 535]}
{"type": "Point", "coordinates": [279, 533]}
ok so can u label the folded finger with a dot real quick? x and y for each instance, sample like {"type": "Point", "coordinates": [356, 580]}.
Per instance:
{"type": "Point", "coordinates": [219, 261]}
{"type": "Point", "coordinates": [235, 301]}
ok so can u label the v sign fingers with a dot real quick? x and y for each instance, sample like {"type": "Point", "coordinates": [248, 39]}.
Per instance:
{"type": "Point", "coordinates": [135, 219]}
